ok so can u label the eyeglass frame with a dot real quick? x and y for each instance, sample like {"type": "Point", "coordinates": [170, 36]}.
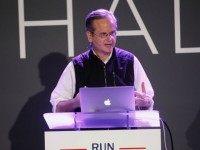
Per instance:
{"type": "Point", "coordinates": [104, 35]}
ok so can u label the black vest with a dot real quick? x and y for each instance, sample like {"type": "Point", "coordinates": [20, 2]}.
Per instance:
{"type": "Point", "coordinates": [90, 71]}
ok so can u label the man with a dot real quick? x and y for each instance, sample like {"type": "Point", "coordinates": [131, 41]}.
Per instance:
{"type": "Point", "coordinates": [101, 65]}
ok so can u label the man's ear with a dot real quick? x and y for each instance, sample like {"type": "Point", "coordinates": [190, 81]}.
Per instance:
{"type": "Point", "coordinates": [89, 36]}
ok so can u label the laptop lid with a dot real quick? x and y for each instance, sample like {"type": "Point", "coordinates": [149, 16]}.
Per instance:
{"type": "Point", "coordinates": [107, 99]}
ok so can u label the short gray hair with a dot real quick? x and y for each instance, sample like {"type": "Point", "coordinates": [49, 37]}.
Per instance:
{"type": "Point", "coordinates": [98, 14]}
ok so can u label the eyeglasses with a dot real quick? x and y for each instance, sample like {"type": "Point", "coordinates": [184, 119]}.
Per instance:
{"type": "Point", "coordinates": [104, 35]}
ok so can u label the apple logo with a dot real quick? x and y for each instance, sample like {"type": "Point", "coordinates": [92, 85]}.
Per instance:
{"type": "Point", "coordinates": [107, 102]}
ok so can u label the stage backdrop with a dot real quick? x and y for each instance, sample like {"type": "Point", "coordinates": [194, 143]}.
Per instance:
{"type": "Point", "coordinates": [38, 38]}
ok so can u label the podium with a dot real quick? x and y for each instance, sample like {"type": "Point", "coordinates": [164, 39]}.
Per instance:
{"type": "Point", "coordinates": [138, 130]}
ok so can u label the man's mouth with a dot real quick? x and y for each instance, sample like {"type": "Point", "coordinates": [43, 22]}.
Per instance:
{"type": "Point", "coordinates": [108, 45]}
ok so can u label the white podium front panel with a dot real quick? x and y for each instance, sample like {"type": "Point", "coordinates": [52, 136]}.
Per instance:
{"type": "Point", "coordinates": [132, 139]}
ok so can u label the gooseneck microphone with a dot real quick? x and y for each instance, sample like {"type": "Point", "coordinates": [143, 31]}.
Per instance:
{"type": "Point", "coordinates": [105, 79]}
{"type": "Point", "coordinates": [114, 83]}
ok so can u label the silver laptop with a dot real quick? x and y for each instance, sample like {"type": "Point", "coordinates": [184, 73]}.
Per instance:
{"type": "Point", "coordinates": [107, 99]}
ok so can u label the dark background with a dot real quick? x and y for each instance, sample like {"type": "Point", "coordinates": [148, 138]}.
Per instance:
{"type": "Point", "coordinates": [26, 84]}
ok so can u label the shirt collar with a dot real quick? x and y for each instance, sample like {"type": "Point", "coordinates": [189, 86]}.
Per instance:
{"type": "Point", "coordinates": [107, 59]}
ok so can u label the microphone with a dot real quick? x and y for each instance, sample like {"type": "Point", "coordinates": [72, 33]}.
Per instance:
{"type": "Point", "coordinates": [114, 78]}
{"type": "Point", "coordinates": [119, 80]}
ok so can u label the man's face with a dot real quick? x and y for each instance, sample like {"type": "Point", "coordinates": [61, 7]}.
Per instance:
{"type": "Point", "coordinates": [103, 37]}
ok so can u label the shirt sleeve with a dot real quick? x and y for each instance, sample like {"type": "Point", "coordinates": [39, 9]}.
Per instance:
{"type": "Point", "coordinates": [65, 87]}
{"type": "Point", "coordinates": [139, 77]}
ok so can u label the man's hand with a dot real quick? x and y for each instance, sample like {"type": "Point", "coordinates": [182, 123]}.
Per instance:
{"type": "Point", "coordinates": [68, 105]}
{"type": "Point", "coordinates": [142, 100]}
{"type": "Point", "coordinates": [77, 101]}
